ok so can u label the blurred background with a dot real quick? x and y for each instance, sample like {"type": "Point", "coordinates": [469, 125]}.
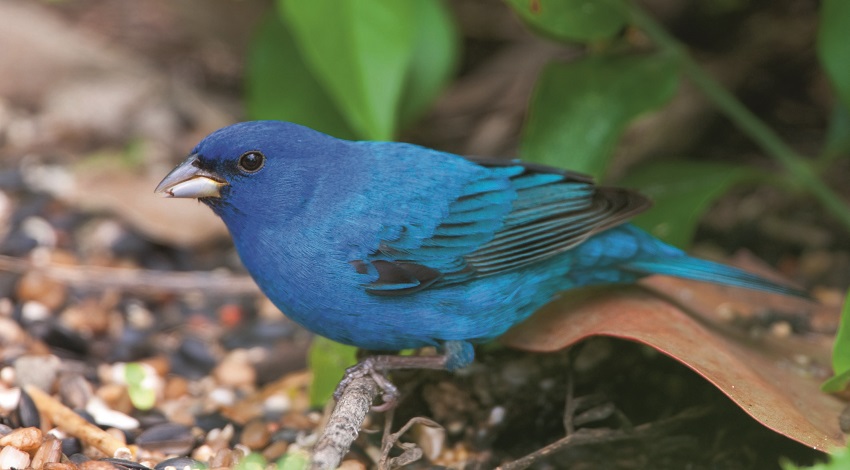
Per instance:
{"type": "Point", "coordinates": [100, 98]}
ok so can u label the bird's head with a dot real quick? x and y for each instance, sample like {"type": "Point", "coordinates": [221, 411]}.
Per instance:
{"type": "Point", "coordinates": [251, 169]}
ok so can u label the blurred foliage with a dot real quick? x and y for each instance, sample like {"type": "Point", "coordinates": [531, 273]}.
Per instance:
{"type": "Point", "coordinates": [328, 361]}
{"type": "Point", "coordinates": [833, 49]}
{"type": "Point", "coordinates": [681, 193]}
{"type": "Point", "coordinates": [138, 378]}
{"type": "Point", "coordinates": [573, 20]}
{"type": "Point", "coordinates": [841, 353]}
{"type": "Point", "coordinates": [352, 69]}
{"type": "Point", "coordinates": [838, 460]}
{"type": "Point", "coordinates": [580, 109]}
{"type": "Point", "coordinates": [365, 68]}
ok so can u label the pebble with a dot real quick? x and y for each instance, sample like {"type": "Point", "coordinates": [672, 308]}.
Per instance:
{"type": "Point", "coordinates": [255, 435]}
{"type": "Point", "coordinates": [88, 318]}
{"type": "Point", "coordinates": [74, 390]}
{"type": "Point", "coordinates": [36, 287]}
{"type": "Point", "coordinates": [10, 457]}
{"type": "Point", "coordinates": [95, 465]}
{"type": "Point", "coordinates": [168, 438]}
{"type": "Point", "coordinates": [203, 453]}
{"type": "Point", "coordinates": [236, 370]}
{"type": "Point", "coordinates": [180, 463]}
{"type": "Point", "coordinates": [49, 451]}
{"type": "Point", "coordinates": [25, 439]}
{"type": "Point", "coordinates": [58, 466]}
{"type": "Point", "coordinates": [11, 333]}
{"type": "Point", "coordinates": [103, 415]}
{"type": "Point", "coordinates": [115, 397]}
{"type": "Point", "coordinates": [38, 371]}
{"type": "Point", "coordinates": [33, 311]}
{"type": "Point", "coordinates": [430, 439]}
{"type": "Point", "coordinates": [194, 358]}
{"type": "Point", "coordinates": [220, 437]}
{"type": "Point", "coordinates": [27, 412]}
{"type": "Point", "coordinates": [275, 450]}
{"type": "Point", "coordinates": [9, 399]}
{"type": "Point", "coordinates": [351, 465]}
{"type": "Point", "coordinates": [122, 463]}
{"type": "Point", "coordinates": [221, 396]}
{"type": "Point", "coordinates": [39, 230]}
{"type": "Point", "coordinates": [175, 387]}
{"type": "Point", "coordinates": [224, 458]}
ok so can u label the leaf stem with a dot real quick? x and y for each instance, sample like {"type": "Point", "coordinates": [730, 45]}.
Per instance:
{"type": "Point", "coordinates": [795, 164]}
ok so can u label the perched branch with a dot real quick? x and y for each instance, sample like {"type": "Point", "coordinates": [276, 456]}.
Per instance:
{"type": "Point", "coordinates": [344, 423]}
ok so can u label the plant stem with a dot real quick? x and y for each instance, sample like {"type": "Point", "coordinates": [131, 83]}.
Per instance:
{"type": "Point", "coordinates": [795, 164]}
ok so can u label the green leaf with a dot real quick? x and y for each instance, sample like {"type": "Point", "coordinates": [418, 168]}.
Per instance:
{"type": "Point", "coordinates": [360, 51]}
{"type": "Point", "coordinates": [580, 109]}
{"type": "Point", "coordinates": [252, 461]}
{"type": "Point", "coordinates": [294, 459]}
{"type": "Point", "coordinates": [280, 86]}
{"type": "Point", "coordinates": [836, 383]}
{"type": "Point", "coordinates": [833, 47]}
{"type": "Point", "coordinates": [838, 460]}
{"type": "Point", "coordinates": [837, 135]}
{"type": "Point", "coordinates": [142, 395]}
{"type": "Point", "coordinates": [682, 192]}
{"type": "Point", "coordinates": [574, 20]}
{"type": "Point", "coordinates": [434, 58]}
{"type": "Point", "coordinates": [841, 353]}
{"type": "Point", "coordinates": [328, 361]}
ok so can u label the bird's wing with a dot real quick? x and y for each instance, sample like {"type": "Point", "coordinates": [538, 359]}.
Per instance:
{"type": "Point", "coordinates": [513, 215]}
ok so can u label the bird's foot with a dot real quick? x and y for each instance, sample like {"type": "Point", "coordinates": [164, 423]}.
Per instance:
{"type": "Point", "coordinates": [376, 366]}
{"type": "Point", "coordinates": [370, 367]}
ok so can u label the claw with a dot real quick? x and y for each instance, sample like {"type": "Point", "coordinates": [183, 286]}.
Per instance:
{"type": "Point", "coordinates": [369, 367]}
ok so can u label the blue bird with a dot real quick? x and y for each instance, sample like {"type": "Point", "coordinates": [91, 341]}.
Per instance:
{"type": "Point", "coordinates": [388, 246]}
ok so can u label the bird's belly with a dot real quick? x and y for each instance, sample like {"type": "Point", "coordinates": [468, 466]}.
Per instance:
{"type": "Point", "coordinates": [475, 311]}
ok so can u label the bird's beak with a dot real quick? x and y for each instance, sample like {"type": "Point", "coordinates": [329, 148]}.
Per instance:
{"type": "Point", "coordinates": [188, 180]}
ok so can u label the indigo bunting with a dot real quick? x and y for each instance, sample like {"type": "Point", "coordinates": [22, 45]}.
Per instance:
{"type": "Point", "coordinates": [388, 246]}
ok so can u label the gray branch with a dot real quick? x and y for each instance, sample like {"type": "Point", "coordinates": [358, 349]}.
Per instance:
{"type": "Point", "coordinates": [344, 423]}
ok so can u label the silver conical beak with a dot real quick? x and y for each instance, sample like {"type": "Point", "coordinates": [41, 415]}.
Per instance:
{"type": "Point", "coordinates": [190, 181]}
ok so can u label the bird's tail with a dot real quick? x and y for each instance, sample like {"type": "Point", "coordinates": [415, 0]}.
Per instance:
{"type": "Point", "coordinates": [708, 271]}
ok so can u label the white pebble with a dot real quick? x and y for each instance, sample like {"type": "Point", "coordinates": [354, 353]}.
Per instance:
{"type": "Point", "coordinates": [7, 375]}
{"type": "Point", "coordinates": [277, 404]}
{"type": "Point", "coordinates": [9, 400]}
{"type": "Point", "coordinates": [222, 396]}
{"type": "Point", "coordinates": [33, 311]}
{"type": "Point", "coordinates": [497, 415]}
{"type": "Point", "coordinates": [11, 457]}
{"type": "Point", "coordinates": [39, 230]}
{"type": "Point", "coordinates": [104, 416]}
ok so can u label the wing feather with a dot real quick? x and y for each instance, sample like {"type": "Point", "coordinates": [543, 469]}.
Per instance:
{"type": "Point", "coordinates": [513, 215]}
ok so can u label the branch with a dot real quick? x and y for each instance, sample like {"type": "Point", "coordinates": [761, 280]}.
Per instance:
{"type": "Point", "coordinates": [132, 280]}
{"type": "Point", "coordinates": [344, 423]}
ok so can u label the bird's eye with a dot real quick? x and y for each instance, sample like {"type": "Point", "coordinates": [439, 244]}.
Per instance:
{"type": "Point", "coordinates": [251, 162]}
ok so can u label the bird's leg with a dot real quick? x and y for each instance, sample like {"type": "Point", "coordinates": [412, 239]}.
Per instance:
{"type": "Point", "coordinates": [456, 354]}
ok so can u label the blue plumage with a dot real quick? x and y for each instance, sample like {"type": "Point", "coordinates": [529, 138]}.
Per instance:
{"type": "Point", "coordinates": [389, 246]}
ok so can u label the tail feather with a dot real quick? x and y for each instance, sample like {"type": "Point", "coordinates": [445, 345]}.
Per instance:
{"type": "Point", "coordinates": [708, 271]}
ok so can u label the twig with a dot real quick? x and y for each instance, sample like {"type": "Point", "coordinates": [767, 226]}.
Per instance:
{"type": "Point", "coordinates": [601, 436]}
{"type": "Point", "coordinates": [344, 423]}
{"type": "Point", "coordinates": [72, 423]}
{"type": "Point", "coordinates": [133, 280]}
{"type": "Point", "coordinates": [410, 452]}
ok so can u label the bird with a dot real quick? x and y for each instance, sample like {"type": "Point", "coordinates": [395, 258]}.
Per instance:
{"type": "Point", "coordinates": [388, 246]}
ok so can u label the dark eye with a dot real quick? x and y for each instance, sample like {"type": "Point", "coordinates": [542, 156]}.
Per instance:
{"type": "Point", "coordinates": [251, 162]}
